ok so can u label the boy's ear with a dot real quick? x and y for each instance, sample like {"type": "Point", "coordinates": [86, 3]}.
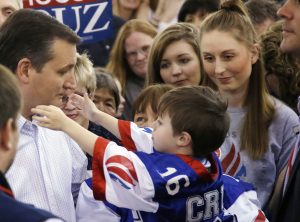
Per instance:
{"type": "Point", "coordinates": [184, 139]}
{"type": "Point", "coordinates": [23, 69]}
{"type": "Point", "coordinates": [7, 135]}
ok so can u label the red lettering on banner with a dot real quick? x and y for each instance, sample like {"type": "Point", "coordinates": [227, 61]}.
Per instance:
{"type": "Point", "coordinates": [47, 3]}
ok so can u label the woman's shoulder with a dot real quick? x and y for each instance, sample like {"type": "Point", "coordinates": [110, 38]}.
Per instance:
{"type": "Point", "coordinates": [283, 113]}
{"type": "Point", "coordinates": [282, 108]}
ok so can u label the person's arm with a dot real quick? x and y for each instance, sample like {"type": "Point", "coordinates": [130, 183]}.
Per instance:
{"type": "Point", "coordinates": [122, 178]}
{"type": "Point", "coordinates": [240, 199]}
{"type": "Point", "coordinates": [132, 137]}
{"type": "Point", "coordinates": [91, 112]}
{"type": "Point", "coordinates": [89, 209]}
{"type": "Point", "coordinates": [53, 117]}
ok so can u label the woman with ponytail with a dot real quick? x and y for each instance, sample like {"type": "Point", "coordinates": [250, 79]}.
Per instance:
{"type": "Point", "coordinates": [262, 130]}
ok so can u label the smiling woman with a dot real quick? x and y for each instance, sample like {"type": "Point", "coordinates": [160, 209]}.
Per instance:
{"type": "Point", "coordinates": [262, 130]}
{"type": "Point", "coordinates": [175, 57]}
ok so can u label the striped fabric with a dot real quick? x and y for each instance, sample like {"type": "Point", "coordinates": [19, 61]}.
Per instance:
{"type": "Point", "coordinates": [48, 170]}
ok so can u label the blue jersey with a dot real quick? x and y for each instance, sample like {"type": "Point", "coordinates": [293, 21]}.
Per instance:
{"type": "Point", "coordinates": [158, 186]}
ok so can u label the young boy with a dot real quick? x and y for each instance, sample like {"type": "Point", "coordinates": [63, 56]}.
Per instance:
{"type": "Point", "coordinates": [10, 103]}
{"type": "Point", "coordinates": [144, 107]}
{"type": "Point", "coordinates": [178, 180]}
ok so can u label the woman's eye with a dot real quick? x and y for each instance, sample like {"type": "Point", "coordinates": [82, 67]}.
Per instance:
{"type": "Point", "coordinates": [208, 58]}
{"type": "Point", "coordinates": [228, 57]}
{"type": "Point", "coordinates": [164, 65]}
{"type": "Point", "coordinates": [184, 60]}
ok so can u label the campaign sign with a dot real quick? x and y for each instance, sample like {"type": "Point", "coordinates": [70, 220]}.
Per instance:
{"type": "Point", "coordinates": [90, 19]}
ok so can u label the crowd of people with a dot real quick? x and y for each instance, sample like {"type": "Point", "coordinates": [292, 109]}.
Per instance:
{"type": "Point", "coordinates": [187, 112]}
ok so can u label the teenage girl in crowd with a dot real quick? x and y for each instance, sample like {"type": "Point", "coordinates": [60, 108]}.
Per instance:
{"type": "Point", "coordinates": [175, 57]}
{"type": "Point", "coordinates": [145, 105]}
{"type": "Point", "coordinates": [129, 58]}
{"type": "Point", "coordinates": [262, 129]}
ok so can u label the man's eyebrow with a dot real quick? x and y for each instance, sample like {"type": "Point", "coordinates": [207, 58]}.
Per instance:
{"type": "Point", "coordinates": [66, 68]}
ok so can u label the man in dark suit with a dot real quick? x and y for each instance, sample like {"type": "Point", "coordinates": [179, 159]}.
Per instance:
{"type": "Point", "coordinates": [10, 103]}
{"type": "Point", "coordinates": [290, 204]}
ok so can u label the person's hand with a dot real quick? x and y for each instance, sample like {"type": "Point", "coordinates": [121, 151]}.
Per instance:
{"type": "Point", "coordinates": [51, 117]}
{"type": "Point", "coordinates": [167, 10]}
{"type": "Point", "coordinates": [85, 105]}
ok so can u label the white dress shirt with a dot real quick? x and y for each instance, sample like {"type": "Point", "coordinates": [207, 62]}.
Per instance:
{"type": "Point", "coordinates": [48, 169]}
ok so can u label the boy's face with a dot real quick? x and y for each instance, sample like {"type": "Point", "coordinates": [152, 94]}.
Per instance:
{"type": "Point", "coordinates": [105, 101]}
{"type": "Point", "coordinates": [145, 119]}
{"type": "Point", "coordinates": [163, 137]}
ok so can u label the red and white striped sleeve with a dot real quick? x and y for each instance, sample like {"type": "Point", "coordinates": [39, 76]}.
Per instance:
{"type": "Point", "coordinates": [135, 138]}
{"type": "Point", "coordinates": [121, 178]}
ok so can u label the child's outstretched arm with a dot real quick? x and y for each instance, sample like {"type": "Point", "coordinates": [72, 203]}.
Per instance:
{"type": "Point", "coordinates": [131, 136]}
{"type": "Point", "coordinates": [91, 112]}
{"type": "Point", "coordinates": [53, 117]}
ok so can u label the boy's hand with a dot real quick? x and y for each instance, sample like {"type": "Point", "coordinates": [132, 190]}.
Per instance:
{"type": "Point", "coordinates": [51, 117]}
{"type": "Point", "coordinates": [86, 106]}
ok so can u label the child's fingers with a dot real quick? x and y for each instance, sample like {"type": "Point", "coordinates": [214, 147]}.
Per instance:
{"type": "Point", "coordinates": [86, 96]}
{"type": "Point", "coordinates": [39, 111]}
{"type": "Point", "coordinates": [77, 100]}
{"type": "Point", "coordinates": [41, 119]}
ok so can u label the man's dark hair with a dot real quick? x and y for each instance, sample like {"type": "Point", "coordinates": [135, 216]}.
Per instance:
{"type": "Point", "coordinates": [10, 96]}
{"type": "Point", "coordinates": [193, 6]}
{"type": "Point", "coordinates": [199, 111]}
{"type": "Point", "coordinates": [30, 34]}
{"type": "Point", "coordinates": [261, 10]}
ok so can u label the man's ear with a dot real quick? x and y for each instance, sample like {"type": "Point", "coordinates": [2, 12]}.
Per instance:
{"type": "Point", "coordinates": [6, 137]}
{"type": "Point", "coordinates": [23, 70]}
{"type": "Point", "coordinates": [184, 139]}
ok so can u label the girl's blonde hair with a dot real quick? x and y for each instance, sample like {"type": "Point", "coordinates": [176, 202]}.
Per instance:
{"type": "Point", "coordinates": [84, 73]}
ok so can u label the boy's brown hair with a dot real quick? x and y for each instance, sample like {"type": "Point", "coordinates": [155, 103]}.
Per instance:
{"type": "Point", "coordinates": [10, 96]}
{"type": "Point", "coordinates": [199, 111]}
{"type": "Point", "coordinates": [150, 96]}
